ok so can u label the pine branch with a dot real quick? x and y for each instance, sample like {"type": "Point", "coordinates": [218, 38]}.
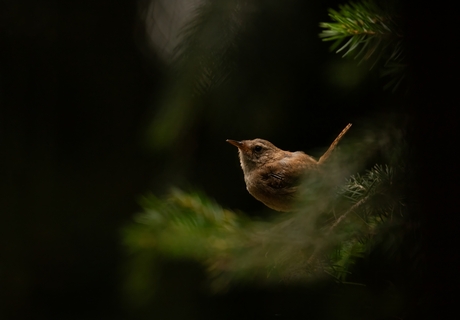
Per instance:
{"type": "Point", "coordinates": [373, 33]}
{"type": "Point", "coordinates": [232, 247]}
{"type": "Point", "coordinates": [318, 249]}
{"type": "Point", "coordinates": [338, 222]}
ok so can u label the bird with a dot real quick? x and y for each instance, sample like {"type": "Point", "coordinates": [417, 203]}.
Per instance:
{"type": "Point", "coordinates": [273, 175]}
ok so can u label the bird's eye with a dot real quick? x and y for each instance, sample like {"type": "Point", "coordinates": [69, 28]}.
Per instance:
{"type": "Point", "coordinates": [257, 148]}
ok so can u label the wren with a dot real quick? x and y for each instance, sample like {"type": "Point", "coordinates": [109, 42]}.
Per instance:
{"type": "Point", "coordinates": [272, 175]}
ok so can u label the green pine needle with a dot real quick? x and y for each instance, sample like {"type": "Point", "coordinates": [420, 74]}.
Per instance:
{"type": "Point", "coordinates": [371, 32]}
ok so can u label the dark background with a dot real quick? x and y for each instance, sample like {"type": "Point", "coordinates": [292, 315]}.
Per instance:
{"type": "Point", "coordinates": [78, 91]}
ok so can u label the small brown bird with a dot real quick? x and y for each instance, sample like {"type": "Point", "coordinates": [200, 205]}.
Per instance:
{"type": "Point", "coordinates": [272, 175]}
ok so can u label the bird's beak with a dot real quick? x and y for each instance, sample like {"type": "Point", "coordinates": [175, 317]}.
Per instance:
{"type": "Point", "coordinates": [237, 144]}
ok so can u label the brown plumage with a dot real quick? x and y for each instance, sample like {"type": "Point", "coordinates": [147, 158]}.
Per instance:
{"type": "Point", "coordinates": [273, 175]}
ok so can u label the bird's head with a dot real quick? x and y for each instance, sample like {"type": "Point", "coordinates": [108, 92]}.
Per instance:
{"type": "Point", "coordinates": [255, 153]}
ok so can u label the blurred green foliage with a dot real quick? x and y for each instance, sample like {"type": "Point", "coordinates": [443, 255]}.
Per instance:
{"type": "Point", "coordinates": [338, 221]}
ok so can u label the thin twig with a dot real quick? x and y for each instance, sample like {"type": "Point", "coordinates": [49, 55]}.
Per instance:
{"type": "Point", "coordinates": [343, 216]}
{"type": "Point", "coordinates": [337, 222]}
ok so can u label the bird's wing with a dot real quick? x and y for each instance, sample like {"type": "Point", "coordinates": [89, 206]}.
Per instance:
{"type": "Point", "coordinates": [287, 174]}
{"type": "Point", "coordinates": [281, 180]}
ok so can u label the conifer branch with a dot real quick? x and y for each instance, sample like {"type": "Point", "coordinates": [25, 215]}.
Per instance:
{"type": "Point", "coordinates": [373, 33]}
{"type": "Point", "coordinates": [334, 225]}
